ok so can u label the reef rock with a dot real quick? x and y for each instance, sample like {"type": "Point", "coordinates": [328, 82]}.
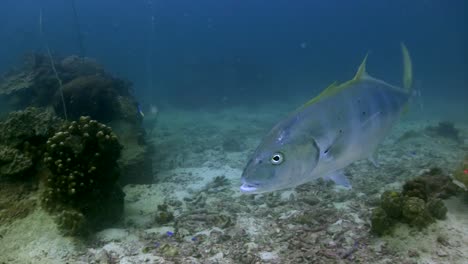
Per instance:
{"type": "Point", "coordinates": [23, 138]}
{"type": "Point", "coordinates": [13, 163]}
{"type": "Point", "coordinates": [33, 125]}
{"type": "Point", "coordinates": [434, 184]}
{"type": "Point", "coordinates": [445, 129]}
{"type": "Point", "coordinates": [135, 161]}
{"type": "Point", "coordinates": [418, 205]}
{"type": "Point", "coordinates": [88, 90]}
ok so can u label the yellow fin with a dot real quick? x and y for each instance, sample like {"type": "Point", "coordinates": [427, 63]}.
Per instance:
{"type": "Point", "coordinates": [326, 92]}
{"type": "Point", "coordinates": [362, 69]}
{"type": "Point", "coordinates": [335, 87]}
{"type": "Point", "coordinates": [407, 68]}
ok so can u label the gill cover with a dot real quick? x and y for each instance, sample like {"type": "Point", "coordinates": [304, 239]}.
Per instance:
{"type": "Point", "coordinates": [284, 159]}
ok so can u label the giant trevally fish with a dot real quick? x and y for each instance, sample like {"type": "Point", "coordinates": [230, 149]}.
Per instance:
{"type": "Point", "coordinates": [343, 124]}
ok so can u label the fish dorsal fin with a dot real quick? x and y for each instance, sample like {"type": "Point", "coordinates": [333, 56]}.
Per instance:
{"type": "Point", "coordinates": [331, 86]}
{"type": "Point", "coordinates": [361, 72]}
{"type": "Point", "coordinates": [335, 87]}
{"type": "Point", "coordinates": [407, 68]}
{"type": "Point", "coordinates": [326, 92]}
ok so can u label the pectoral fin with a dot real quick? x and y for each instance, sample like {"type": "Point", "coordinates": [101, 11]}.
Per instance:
{"type": "Point", "coordinates": [339, 178]}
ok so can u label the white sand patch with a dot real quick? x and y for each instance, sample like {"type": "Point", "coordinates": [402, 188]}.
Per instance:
{"type": "Point", "coordinates": [162, 230]}
{"type": "Point", "coordinates": [268, 256]}
{"type": "Point", "coordinates": [35, 239]}
{"type": "Point", "coordinates": [252, 226]}
{"type": "Point", "coordinates": [141, 201]}
{"type": "Point", "coordinates": [143, 258]}
{"type": "Point", "coordinates": [195, 179]}
{"type": "Point", "coordinates": [115, 235]}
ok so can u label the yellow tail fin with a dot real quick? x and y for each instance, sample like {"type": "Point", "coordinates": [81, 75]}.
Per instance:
{"type": "Point", "coordinates": [407, 68]}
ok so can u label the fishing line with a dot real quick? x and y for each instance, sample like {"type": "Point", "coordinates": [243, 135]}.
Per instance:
{"type": "Point", "coordinates": [49, 54]}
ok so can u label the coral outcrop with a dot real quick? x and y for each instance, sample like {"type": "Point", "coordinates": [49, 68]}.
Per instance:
{"type": "Point", "coordinates": [88, 90]}
{"type": "Point", "coordinates": [418, 204]}
{"type": "Point", "coordinates": [445, 129]}
{"type": "Point", "coordinates": [433, 184]}
{"type": "Point", "coordinates": [82, 186]}
{"type": "Point", "coordinates": [33, 125]}
{"type": "Point", "coordinates": [13, 163]}
{"type": "Point", "coordinates": [22, 141]}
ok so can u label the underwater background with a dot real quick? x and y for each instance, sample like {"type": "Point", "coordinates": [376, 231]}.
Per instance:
{"type": "Point", "coordinates": [211, 53]}
{"type": "Point", "coordinates": [188, 89]}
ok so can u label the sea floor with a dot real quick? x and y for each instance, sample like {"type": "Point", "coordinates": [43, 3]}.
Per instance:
{"type": "Point", "coordinates": [198, 162]}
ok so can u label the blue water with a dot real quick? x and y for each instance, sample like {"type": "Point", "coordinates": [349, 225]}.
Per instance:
{"type": "Point", "coordinates": [211, 77]}
{"type": "Point", "coordinates": [217, 53]}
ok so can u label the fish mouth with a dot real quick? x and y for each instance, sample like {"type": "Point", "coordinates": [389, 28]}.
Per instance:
{"type": "Point", "coordinates": [248, 188]}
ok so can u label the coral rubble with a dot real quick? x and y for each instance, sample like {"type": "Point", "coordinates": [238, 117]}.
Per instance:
{"type": "Point", "coordinates": [164, 216]}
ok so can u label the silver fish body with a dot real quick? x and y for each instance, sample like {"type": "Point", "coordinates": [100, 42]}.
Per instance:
{"type": "Point", "coordinates": [345, 123]}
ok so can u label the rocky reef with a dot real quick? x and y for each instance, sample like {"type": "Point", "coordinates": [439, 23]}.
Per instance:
{"type": "Point", "coordinates": [418, 204]}
{"type": "Point", "coordinates": [88, 90]}
{"type": "Point", "coordinates": [444, 129]}
{"type": "Point", "coordinates": [76, 165]}
{"type": "Point", "coordinates": [22, 141]}
{"type": "Point", "coordinates": [76, 161]}
{"type": "Point", "coordinates": [82, 160]}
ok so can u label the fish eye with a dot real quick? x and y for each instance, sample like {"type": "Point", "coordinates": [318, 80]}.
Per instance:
{"type": "Point", "coordinates": [277, 158]}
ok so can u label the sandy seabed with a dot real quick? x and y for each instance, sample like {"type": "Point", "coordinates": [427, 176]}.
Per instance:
{"type": "Point", "coordinates": [198, 162]}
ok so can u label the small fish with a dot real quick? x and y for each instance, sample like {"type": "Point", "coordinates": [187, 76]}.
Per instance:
{"type": "Point", "coordinates": [343, 124]}
{"type": "Point", "coordinates": [140, 111]}
{"type": "Point", "coordinates": [169, 233]}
